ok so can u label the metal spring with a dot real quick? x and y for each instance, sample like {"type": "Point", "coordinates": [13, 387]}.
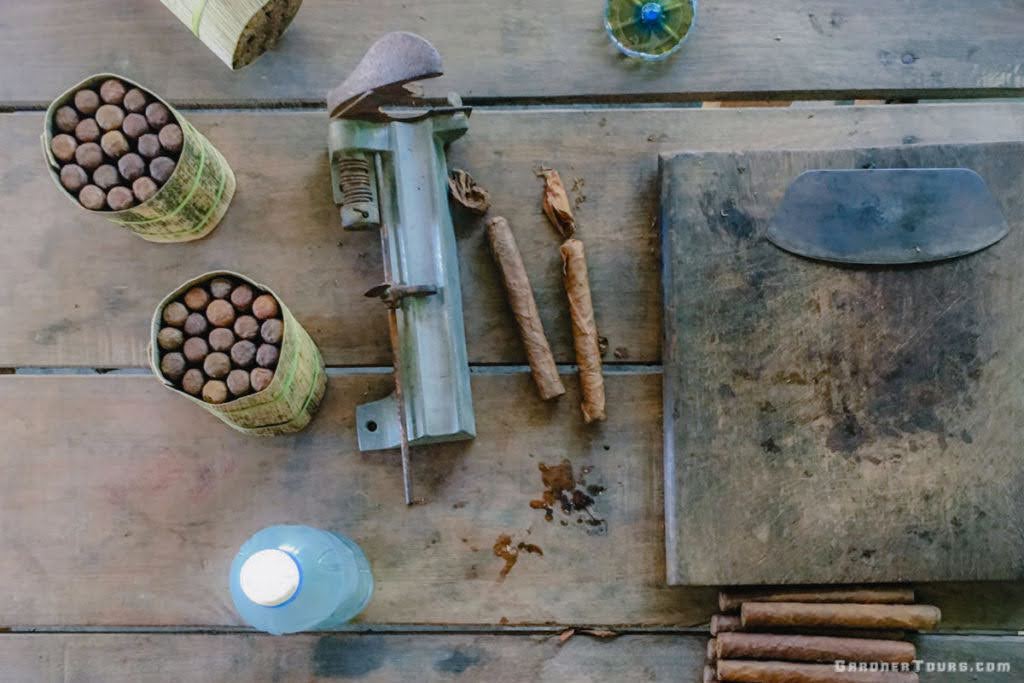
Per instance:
{"type": "Point", "coordinates": [354, 177]}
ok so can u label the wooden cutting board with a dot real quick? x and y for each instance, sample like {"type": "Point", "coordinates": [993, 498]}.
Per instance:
{"type": "Point", "coordinates": [836, 424]}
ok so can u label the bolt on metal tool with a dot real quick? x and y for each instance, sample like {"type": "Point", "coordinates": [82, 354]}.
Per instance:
{"type": "Point", "coordinates": [389, 173]}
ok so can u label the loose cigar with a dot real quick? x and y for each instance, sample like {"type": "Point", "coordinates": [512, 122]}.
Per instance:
{"type": "Point", "coordinates": [737, 671]}
{"type": "Point", "coordinates": [730, 600]}
{"type": "Point", "coordinates": [810, 648]}
{"type": "Point", "coordinates": [524, 307]}
{"type": "Point", "coordinates": [724, 623]}
{"type": "Point", "coordinates": [784, 614]}
{"type": "Point", "coordinates": [710, 675]}
{"type": "Point", "coordinates": [584, 330]}
{"type": "Point", "coordinates": [712, 654]}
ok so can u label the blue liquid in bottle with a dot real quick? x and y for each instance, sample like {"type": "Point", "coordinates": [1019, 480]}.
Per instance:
{"type": "Point", "coordinates": [287, 579]}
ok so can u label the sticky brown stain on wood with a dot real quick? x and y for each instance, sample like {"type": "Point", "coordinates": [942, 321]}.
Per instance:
{"type": "Point", "coordinates": [509, 551]}
{"type": "Point", "coordinates": [569, 493]}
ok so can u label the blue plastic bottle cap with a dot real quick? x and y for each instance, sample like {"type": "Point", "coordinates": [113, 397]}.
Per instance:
{"type": "Point", "coordinates": [650, 13]}
{"type": "Point", "coordinates": [270, 578]}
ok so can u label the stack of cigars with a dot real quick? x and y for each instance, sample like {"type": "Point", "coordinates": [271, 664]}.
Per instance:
{"type": "Point", "coordinates": [796, 635]}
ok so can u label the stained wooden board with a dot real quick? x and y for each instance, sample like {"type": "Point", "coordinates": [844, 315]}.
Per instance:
{"type": "Point", "coordinates": [835, 424]}
{"type": "Point", "coordinates": [496, 49]}
{"type": "Point", "coordinates": [76, 290]}
{"type": "Point", "coordinates": [426, 657]}
{"type": "Point", "coordinates": [115, 484]}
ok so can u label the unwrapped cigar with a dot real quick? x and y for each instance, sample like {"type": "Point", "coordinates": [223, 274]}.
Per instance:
{"type": "Point", "coordinates": [730, 600]}
{"type": "Point", "coordinates": [520, 297]}
{"type": "Point", "coordinates": [739, 671]}
{"type": "Point", "coordinates": [712, 654]}
{"type": "Point", "coordinates": [810, 648]}
{"type": "Point", "coordinates": [799, 614]}
{"type": "Point", "coordinates": [710, 675]}
{"type": "Point", "coordinates": [584, 330]}
{"type": "Point", "coordinates": [730, 623]}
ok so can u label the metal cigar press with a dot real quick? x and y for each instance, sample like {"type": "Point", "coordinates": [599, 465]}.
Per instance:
{"type": "Point", "coordinates": [389, 173]}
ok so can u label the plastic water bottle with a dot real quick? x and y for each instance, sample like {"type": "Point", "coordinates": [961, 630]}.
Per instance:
{"type": "Point", "coordinates": [649, 29]}
{"type": "Point", "coordinates": [287, 579]}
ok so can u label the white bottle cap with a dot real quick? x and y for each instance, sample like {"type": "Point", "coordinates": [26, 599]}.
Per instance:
{"type": "Point", "coordinates": [269, 577]}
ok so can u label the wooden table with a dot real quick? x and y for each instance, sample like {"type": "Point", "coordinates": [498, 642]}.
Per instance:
{"type": "Point", "coordinates": [121, 505]}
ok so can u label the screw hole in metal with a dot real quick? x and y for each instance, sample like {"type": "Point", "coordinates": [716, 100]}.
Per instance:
{"type": "Point", "coordinates": [371, 426]}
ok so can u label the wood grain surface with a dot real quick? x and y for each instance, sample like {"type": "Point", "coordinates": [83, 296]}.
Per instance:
{"type": "Point", "coordinates": [122, 505]}
{"type": "Point", "coordinates": [426, 657]}
{"type": "Point", "coordinates": [79, 291]}
{"type": "Point", "coordinates": [501, 50]}
{"type": "Point", "coordinates": [842, 424]}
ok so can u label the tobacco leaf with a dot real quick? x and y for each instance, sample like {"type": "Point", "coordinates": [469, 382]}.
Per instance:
{"type": "Point", "coordinates": [557, 206]}
{"type": "Point", "coordinates": [468, 193]}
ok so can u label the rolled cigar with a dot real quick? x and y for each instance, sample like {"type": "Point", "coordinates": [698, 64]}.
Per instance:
{"type": "Point", "coordinates": [115, 144]}
{"type": "Point", "coordinates": [524, 307]}
{"type": "Point", "coordinates": [110, 117]}
{"type": "Point", "coordinates": [135, 100]}
{"type": "Point", "coordinates": [220, 288]}
{"type": "Point", "coordinates": [73, 177]}
{"type": "Point", "coordinates": [112, 91]}
{"type": "Point", "coordinates": [728, 623]}
{"type": "Point", "coordinates": [193, 381]}
{"type": "Point", "coordinates": [260, 378]}
{"type": "Point", "coordinates": [175, 314]}
{"type": "Point", "coordinates": [148, 145]}
{"type": "Point", "coordinates": [267, 355]}
{"type": "Point", "coordinates": [196, 324]}
{"type": "Point", "coordinates": [135, 125]}
{"type": "Point", "coordinates": [106, 176]}
{"type": "Point", "coordinates": [712, 654]}
{"type": "Point", "coordinates": [737, 671]}
{"type": "Point", "coordinates": [87, 102]}
{"type": "Point", "coordinates": [171, 138]}
{"type": "Point", "coordinates": [131, 166]}
{"type": "Point", "coordinates": [222, 339]}
{"type": "Point", "coordinates": [196, 350]}
{"type": "Point", "coordinates": [215, 391]}
{"type": "Point", "coordinates": [161, 169]}
{"type": "Point", "coordinates": [217, 365]}
{"type": "Point", "coordinates": [710, 675]}
{"type": "Point", "coordinates": [120, 198]}
{"type": "Point", "coordinates": [66, 119]}
{"type": "Point", "coordinates": [799, 614]}
{"type": "Point", "coordinates": [730, 600]}
{"type": "Point", "coordinates": [173, 366]}
{"type": "Point", "coordinates": [87, 130]}
{"type": "Point", "coordinates": [241, 297]}
{"type": "Point", "coordinates": [92, 198]}
{"type": "Point", "coordinates": [196, 299]}
{"type": "Point", "coordinates": [264, 306]}
{"type": "Point", "coordinates": [584, 330]}
{"type": "Point", "coordinates": [63, 147]}
{"type": "Point", "coordinates": [272, 331]}
{"type": "Point", "coordinates": [89, 156]}
{"type": "Point", "coordinates": [170, 339]}
{"type": "Point", "coordinates": [792, 648]}
{"type": "Point", "coordinates": [220, 313]}
{"type": "Point", "coordinates": [724, 623]}
{"type": "Point", "coordinates": [143, 188]}
{"type": "Point", "coordinates": [247, 327]}
{"type": "Point", "coordinates": [157, 115]}
{"type": "Point", "coordinates": [238, 383]}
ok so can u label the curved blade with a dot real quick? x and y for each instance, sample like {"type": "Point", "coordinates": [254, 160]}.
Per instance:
{"type": "Point", "coordinates": [393, 61]}
{"type": "Point", "coordinates": [888, 216]}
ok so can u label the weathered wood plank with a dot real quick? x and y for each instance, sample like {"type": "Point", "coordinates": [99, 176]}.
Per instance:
{"type": "Point", "coordinates": [427, 657]}
{"type": "Point", "coordinates": [122, 505]}
{"type": "Point", "coordinates": [787, 48]}
{"type": "Point", "coordinates": [78, 291]}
